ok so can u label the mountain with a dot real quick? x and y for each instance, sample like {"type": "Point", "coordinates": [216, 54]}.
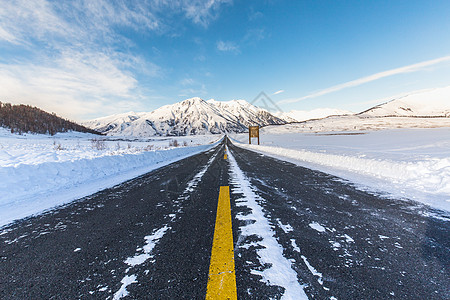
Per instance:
{"type": "Point", "coordinates": [189, 117]}
{"type": "Point", "coordinates": [424, 103]}
{"type": "Point", "coordinates": [319, 113]}
{"type": "Point", "coordinates": [27, 119]}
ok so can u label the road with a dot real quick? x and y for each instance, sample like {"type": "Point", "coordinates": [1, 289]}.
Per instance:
{"type": "Point", "coordinates": [297, 233]}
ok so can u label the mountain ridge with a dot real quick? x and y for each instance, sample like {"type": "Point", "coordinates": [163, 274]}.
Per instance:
{"type": "Point", "coordinates": [197, 116]}
{"type": "Point", "coordinates": [188, 117]}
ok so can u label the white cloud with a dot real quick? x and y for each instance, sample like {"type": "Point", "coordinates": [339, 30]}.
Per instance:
{"type": "Point", "coordinates": [74, 85]}
{"type": "Point", "coordinates": [187, 81]}
{"type": "Point", "coordinates": [22, 21]}
{"type": "Point", "coordinates": [227, 46]}
{"type": "Point", "coordinates": [406, 69]}
{"type": "Point", "coordinates": [202, 12]}
{"type": "Point", "coordinates": [254, 35]}
{"type": "Point", "coordinates": [278, 92]}
{"type": "Point", "coordinates": [79, 70]}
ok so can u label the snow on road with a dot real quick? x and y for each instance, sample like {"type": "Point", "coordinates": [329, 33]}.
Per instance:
{"type": "Point", "coordinates": [142, 255]}
{"type": "Point", "coordinates": [405, 163]}
{"type": "Point", "coordinates": [145, 253]}
{"type": "Point", "coordinates": [280, 272]}
{"type": "Point", "coordinates": [39, 172]}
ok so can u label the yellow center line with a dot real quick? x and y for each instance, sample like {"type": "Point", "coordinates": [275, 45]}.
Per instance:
{"type": "Point", "coordinates": [222, 277]}
{"type": "Point", "coordinates": [225, 156]}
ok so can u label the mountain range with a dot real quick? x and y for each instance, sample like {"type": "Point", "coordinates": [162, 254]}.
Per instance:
{"type": "Point", "coordinates": [189, 117]}
{"type": "Point", "coordinates": [197, 116]}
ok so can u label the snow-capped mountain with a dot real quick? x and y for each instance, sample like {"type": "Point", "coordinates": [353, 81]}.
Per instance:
{"type": "Point", "coordinates": [189, 117]}
{"type": "Point", "coordinates": [319, 113]}
{"type": "Point", "coordinates": [424, 103]}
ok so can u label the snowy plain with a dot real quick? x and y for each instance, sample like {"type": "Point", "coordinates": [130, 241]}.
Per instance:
{"type": "Point", "coordinates": [39, 172]}
{"type": "Point", "coordinates": [409, 164]}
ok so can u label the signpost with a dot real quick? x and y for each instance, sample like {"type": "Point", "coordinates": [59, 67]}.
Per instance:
{"type": "Point", "coordinates": [253, 131]}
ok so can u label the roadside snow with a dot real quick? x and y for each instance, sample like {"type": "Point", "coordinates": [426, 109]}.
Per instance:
{"type": "Point", "coordinates": [36, 176]}
{"type": "Point", "coordinates": [405, 163]}
{"type": "Point", "coordinates": [280, 272]}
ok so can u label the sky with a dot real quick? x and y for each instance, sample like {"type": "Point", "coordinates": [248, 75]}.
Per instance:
{"type": "Point", "coordinates": [84, 59]}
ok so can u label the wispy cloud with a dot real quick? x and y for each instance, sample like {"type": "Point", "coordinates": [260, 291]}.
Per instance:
{"type": "Point", "coordinates": [278, 92]}
{"type": "Point", "coordinates": [187, 81]}
{"type": "Point", "coordinates": [73, 65]}
{"type": "Point", "coordinates": [74, 85]}
{"type": "Point", "coordinates": [202, 12]}
{"type": "Point", "coordinates": [227, 46]}
{"type": "Point", "coordinates": [254, 35]}
{"type": "Point", "coordinates": [77, 72]}
{"type": "Point", "coordinates": [406, 69]}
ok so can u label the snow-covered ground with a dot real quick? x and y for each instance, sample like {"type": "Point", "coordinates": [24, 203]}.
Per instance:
{"type": "Point", "coordinates": [39, 172]}
{"type": "Point", "coordinates": [402, 163]}
{"type": "Point", "coordinates": [358, 123]}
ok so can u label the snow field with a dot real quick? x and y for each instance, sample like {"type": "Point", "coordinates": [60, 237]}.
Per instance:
{"type": "Point", "coordinates": [405, 163]}
{"type": "Point", "coordinates": [32, 182]}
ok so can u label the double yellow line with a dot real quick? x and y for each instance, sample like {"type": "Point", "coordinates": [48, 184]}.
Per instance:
{"type": "Point", "coordinates": [222, 277]}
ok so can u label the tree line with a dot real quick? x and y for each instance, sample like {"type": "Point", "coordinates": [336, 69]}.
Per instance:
{"type": "Point", "coordinates": [27, 119]}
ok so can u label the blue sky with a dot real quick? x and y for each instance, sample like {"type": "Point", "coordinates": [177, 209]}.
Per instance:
{"type": "Point", "coordinates": [86, 59]}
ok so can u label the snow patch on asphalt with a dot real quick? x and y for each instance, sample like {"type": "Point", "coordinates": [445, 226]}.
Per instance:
{"type": "Point", "coordinates": [194, 181]}
{"type": "Point", "coordinates": [140, 258]}
{"type": "Point", "coordinates": [313, 270]}
{"type": "Point", "coordinates": [286, 228]}
{"type": "Point", "coordinates": [144, 253]}
{"type": "Point", "coordinates": [150, 243]}
{"type": "Point", "coordinates": [126, 281]}
{"type": "Point", "coordinates": [317, 226]}
{"type": "Point", "coordinates": [280, 272]}
{"type": "Point", "coordinates": [294, 246]}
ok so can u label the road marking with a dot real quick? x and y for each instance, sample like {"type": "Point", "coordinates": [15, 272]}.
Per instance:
{"type": "Point", "coordinates": [222, 277]}
{"type": "Point", "coordinates": [225, 156]}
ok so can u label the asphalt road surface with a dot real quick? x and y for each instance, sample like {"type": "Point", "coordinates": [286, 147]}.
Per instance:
{"type": "Point", "coordinates": [151, 238]}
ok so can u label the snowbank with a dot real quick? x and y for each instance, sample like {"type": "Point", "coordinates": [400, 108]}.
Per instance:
{"type": "Point", "coordinates": [28, 189]}
{"type": "Point", "coordinates": [412, 164]}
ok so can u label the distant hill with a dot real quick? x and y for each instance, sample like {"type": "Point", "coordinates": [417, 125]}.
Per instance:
{"type": "Point", "coordinates": [319, 113]}
{"type": "Point", "coordinates": [27, 119]}
{"type": "Point", "coordinates": [424, 103]}
{"type": "Point", "coordinates": [189, 117]}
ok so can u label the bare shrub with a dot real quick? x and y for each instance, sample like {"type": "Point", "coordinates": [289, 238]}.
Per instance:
{"type": "Point", "coordinates": [98, 144]}
{"type": "Point", "coordinates": [149, 147]}
{"type": "Point", "coordinates": [174, 143]}
{"type": "Point", "coordinates": [185, 144]}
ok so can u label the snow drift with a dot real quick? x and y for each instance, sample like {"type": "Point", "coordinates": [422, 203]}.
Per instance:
{"type": "Point", "coordinates": [28, 189]}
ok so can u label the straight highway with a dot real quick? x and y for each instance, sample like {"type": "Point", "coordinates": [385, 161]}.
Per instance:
{"type": "Point", "coordinates": [225, 224]}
